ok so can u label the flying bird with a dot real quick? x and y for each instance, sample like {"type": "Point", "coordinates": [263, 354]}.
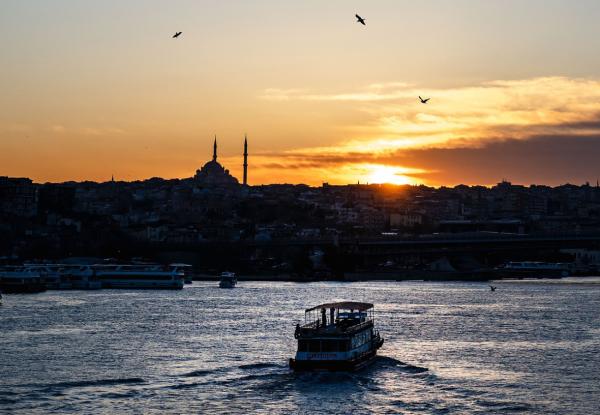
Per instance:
{"type": "Point", "coordinates": [176, 35]}
{"type": "Point", "coordinates": [424, 101]}
{"type": "Point", "coordinates": [360, 20]}
{"type": "Point", "coordinates": [492, 288]}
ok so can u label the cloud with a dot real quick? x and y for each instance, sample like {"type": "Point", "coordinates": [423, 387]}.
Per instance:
{"type": "Point", "coordinates": [539, 129]}
{"type": "Point", "coordinates": [553, 159]}
{"type": "Point", "coordinates": [373, 92]}
{"type": "Point", "coordinates": [500, 109]}
{"type": "Point", "coordinates": [101, 131]}
{"type": "Point", "coordinates": [57, 128]}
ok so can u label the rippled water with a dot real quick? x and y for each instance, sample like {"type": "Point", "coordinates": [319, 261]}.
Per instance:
{"type": "Point", "coordinates": [450, 348]}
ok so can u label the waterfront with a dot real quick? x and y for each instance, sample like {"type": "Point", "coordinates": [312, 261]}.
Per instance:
{"type": "Point", "coordinates": [450, 348]}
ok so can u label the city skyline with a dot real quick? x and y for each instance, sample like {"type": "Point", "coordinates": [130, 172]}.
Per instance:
{"type": "Point", "coordinates": [515, 91]}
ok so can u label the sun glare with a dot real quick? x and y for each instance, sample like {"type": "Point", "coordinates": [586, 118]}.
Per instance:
{"type": "Point", "coordinates": [387, 174]}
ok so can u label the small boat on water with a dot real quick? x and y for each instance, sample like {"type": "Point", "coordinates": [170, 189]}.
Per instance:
{"type": "Point", "coordinates": [336, 337]}
{"type": "Point", "coordinates": [228, 280]}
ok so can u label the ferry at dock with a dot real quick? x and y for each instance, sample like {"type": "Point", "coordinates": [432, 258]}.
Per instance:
{"type": "Point", "coordinates": [66, 276]}
{"type": "Point", "coordinates": [533, 269]}
{"type": "Point", "coordinates": [336, 337]}
{"type": "Point", "coordinates": [139, 276]}
{"type": "Point", "coordinates": [187, 271]}
{"type": "Point", "coordinates": [80, 277]}
{"type": "Point", "coordinates": [20, 280]}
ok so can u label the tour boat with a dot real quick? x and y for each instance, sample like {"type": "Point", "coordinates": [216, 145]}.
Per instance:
{"type": "Point", "coordinates": [228, 280]}
{"type": "Point", "coordinates": [336, 337]}
{"type": "Point", "coordinates": [138, 276]}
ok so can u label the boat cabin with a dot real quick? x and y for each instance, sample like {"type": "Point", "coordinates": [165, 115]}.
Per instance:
{"type": "Point", "coordinates": [341, 334]}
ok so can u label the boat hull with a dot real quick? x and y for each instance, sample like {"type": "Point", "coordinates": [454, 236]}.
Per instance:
{"type": "Point", "coordinates": [149, 285]}
{"type": "Point", "coordinates": [226, 285]}
{"type": "Point", "coordinates": [349, 365]}
{"type": "Point", "coordinates": [23, 288]}
{"type": "Point", "coordinates": [504, 273]}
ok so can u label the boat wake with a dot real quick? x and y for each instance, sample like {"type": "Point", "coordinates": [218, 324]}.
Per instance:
{"type": "Point", "coordinates": [198, 373]}
{"type": "Point", "coordinates": [35, 392]}
{"type": "Point", "coordinates": [259, 366]}
{"type": "Point", "coordinates": [390, 362]}
{"type": "Point", "coordinates": [82, 383]}
{"type": "Point", "coordinates": [92, 383]}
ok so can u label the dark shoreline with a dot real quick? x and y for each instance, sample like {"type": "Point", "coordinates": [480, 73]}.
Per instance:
{"type": "Point", "coordinates": [426, 276]}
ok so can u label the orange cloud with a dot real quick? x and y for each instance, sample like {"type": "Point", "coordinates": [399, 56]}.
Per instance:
{"type": "Point", "coordinates": [466, 117]}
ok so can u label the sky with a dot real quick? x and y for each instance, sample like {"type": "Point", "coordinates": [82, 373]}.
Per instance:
{"type": "Point", "coordinates": [92, 89]}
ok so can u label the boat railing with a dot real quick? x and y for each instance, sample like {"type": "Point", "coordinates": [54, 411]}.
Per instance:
{"type": "Point", "coordinates": [360, 326]}
{"type": "Point", "coordinates": [157, 268]}
{"type": "Point", "coordinates": [311, 325]}
{"type": "Point", "coordinates": [315, 327]}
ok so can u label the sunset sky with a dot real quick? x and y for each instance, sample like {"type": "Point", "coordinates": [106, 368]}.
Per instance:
{"type": "Point", "coordinates": [89, 89]}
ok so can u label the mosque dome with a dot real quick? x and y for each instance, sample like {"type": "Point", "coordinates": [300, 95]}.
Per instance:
{"type": "Point", "coordinates": [213, 174]}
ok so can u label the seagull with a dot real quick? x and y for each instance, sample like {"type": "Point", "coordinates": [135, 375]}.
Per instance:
{"type": "Point", "coordinates": [492, 288]}
{"type": "Point", "coordinates": [176, 35]}
{"type": "Point", "coordinates": [360, 20]}
{"type": "Point", "coordinates": [424, 101]}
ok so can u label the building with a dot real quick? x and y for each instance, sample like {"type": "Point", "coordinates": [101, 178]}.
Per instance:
{"type": "Point", "coordinates": [18, 196]}
{"type": "Point", "coordinates": [405, 220]}
{"type": "Point", "coordinates": [245, 161]}
{"type": "Point", "coordinates": [213, 174]}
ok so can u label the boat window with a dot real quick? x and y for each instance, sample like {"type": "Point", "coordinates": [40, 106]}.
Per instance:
{"type": "Point", "coordinates": [302, 346]}
{"type": "Point", "coordinates": [328, 345]}
{"type": "Point", "coordinates": [135, 277]}
{"type": "Point", "coordinates": [360, 339]}
{"type": "Point", "coordinates": [314, 346]}
{"type": "Point", "coordinates": [342, 345]}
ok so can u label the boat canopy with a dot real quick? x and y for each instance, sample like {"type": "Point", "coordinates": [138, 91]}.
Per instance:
{"type": "Point", "coordinates": [345, 305]}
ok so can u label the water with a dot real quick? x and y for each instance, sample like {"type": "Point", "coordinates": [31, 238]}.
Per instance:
{"type": "Point", "coordinates": [450, 349]}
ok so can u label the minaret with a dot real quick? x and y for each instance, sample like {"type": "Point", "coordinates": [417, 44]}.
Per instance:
{"type": "Point", "coordinates": [245, 160]}
{"type": "Point", "coordinates": [215, 149]}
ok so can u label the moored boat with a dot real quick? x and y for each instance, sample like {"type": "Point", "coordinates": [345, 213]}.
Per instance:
{"type": "Point", "coordinates": [80, 277]}
{"type": "Point", "coordinates": [138, 276]}
{"type": "Point", "coordinates": [187, 271]}
{"type": "Point", "coordinates": [50, 274]}
{"type": "Point", "coordinates": [66, 276]}
{"type": "Point", "coordinates": [531, 269]}
{"type": "Point", "coordinates": [228, 280]}
{"type": "Point", "coordinates": [336, 337]}
{"type": "Point", "coordinates": [20, 280]}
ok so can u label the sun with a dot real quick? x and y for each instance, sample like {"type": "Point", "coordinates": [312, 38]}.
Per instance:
{"type": "Point", "coordinates": [387, 174]}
